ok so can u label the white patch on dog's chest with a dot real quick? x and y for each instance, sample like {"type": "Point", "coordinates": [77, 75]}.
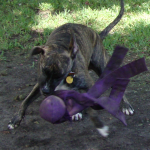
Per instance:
{"type": "Point", "coordinates": [62, 86]}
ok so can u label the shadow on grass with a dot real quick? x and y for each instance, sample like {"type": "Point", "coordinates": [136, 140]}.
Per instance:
{"type": "Point", "coordinates": [18, 17]}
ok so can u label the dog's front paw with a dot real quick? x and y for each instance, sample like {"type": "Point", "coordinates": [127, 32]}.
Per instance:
{"type": "Point", "coordinates": [127, 109]}
{"type": "Point", "coordinates": [77, 117]}
{"type": "Point", "coordinates": [104, 131]}
{"type": "Point", "coordinates": [14, 122]}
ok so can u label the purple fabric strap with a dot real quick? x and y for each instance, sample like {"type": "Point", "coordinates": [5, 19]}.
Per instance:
{"type": "Point", "coordinates": [115, 61]}
{"type": "Point", "coordinates": [112, 103]}
{"type": "Point", "coordinates": [127, 71]}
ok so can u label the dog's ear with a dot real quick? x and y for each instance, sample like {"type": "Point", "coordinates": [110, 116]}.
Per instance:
{"type": "Point", "coordinates": [73, 47]}
{"type": "Point", "coordinates": [37, 50]}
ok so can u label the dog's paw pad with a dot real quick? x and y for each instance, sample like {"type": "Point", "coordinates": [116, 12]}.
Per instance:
{"type": "Point", "coordinates": [104, 131]}
{"type": "Point", "coordinates": [77, 117]}
{"type": "Point", "coordinates": [128, 111]}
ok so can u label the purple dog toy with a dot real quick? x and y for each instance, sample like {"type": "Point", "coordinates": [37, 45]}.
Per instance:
{"type": "Point", "coordinates": [63, 104]}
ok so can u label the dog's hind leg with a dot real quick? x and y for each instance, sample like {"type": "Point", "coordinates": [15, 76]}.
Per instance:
{"type": "Point", "coordinates": [99, 58]}
{"type": "Point", "coordinates": [34, 94]}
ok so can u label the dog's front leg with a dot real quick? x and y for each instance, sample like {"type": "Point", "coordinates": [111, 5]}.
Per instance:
{"type": "Point", "coordinates": [34, 94]}
{"type": "Point", "coordinates": [84, 83]}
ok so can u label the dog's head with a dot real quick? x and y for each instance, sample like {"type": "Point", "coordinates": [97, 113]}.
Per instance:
{"type": "Point", "coordinates": [55, 64]}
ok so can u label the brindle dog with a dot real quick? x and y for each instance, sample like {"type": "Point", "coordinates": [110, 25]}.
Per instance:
{"type": "Point", "coordinates": [69, 51]}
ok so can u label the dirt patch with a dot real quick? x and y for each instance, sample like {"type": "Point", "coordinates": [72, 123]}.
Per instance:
{"type": "Point", "coordinates": [17, 78]}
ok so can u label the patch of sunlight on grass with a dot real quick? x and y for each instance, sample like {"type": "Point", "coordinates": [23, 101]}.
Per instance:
{"type": "Point", "coordinates": [46, 6]}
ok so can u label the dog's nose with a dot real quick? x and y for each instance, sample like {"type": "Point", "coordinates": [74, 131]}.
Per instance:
{"type": "Point", "coordinates": [45, 89]}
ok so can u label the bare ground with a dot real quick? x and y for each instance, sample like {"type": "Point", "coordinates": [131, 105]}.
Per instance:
{"type": "Point", "coordinates": [17, 78]}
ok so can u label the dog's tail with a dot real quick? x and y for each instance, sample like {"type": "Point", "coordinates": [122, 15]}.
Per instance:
{"type": "Point", "coordinates": [104, 33]}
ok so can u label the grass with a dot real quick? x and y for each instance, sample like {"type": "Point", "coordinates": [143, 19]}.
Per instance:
{"type": "Point", "coordinates": [25, 24]}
